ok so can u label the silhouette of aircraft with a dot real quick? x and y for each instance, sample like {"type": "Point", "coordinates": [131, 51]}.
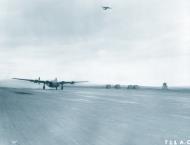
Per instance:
{"type": "Point", "coordinates": [52, 84]}
{"type": "Point", "coordinates": [106, 7]}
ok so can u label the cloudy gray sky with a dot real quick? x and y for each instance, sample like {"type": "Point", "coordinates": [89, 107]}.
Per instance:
{"type": "Point", "coordinates": [141, 42]}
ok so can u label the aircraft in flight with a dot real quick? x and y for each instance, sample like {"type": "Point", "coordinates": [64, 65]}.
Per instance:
{"type": "Point", "coordinates": [106, 7]}
{"type": "Point", "coordinates": [52, 84]}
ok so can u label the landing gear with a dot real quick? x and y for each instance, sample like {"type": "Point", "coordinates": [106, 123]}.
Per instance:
{"type": "Point", "coordinates": [56, 88]}
{"type": "Point", "coordinates": [44, 87]}
{"type": "Point", "coordinates": [61, 87]}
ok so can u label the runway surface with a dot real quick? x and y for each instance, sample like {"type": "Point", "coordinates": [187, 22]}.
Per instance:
{"type": "Point", "coordinates": [87, 116]}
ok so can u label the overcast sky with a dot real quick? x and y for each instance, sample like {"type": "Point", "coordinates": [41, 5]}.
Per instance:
{"type": "Point", "coordinates": [136, 42]}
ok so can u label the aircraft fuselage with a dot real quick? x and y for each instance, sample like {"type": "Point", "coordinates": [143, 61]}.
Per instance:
{"type": "Point", "coordinates": [53, 84]}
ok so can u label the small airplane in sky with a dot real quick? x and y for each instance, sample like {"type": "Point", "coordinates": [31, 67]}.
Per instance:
{"type": "Point", "coordinates": [52, 84]}
{"type": "Point", "coordinates": [106, 7]}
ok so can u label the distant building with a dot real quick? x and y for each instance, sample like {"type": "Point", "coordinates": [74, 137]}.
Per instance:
{"type": "Point", "coordinates": [165, 86]}
{"type": "Point", "coordinates": [117, 86]}
{"type": "Point", "coordinates": [132, 87]}
{"type": "Point", "coordinates": [108, 86]}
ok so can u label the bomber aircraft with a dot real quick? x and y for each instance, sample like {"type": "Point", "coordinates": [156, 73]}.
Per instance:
{"type": "Point", "coordinates": [52, 84]}
{"type": "Point", "coordinates": [106, 7]}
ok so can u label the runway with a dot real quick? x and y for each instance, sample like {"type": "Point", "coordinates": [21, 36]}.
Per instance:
{"type": "Point", "coordinates": [89, 116]}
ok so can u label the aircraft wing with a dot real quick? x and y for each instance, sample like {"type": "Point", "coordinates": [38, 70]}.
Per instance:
{"type": "Point", "coordinates": [106, 7]}
{"type": "Point", "coordinates": [30, 80]}
{"type": "Point", "coordinates": [72, 82]}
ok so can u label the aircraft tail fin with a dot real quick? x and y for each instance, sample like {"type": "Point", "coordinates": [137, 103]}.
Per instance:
{"type": "Point", "coordinates": [39, 80]}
